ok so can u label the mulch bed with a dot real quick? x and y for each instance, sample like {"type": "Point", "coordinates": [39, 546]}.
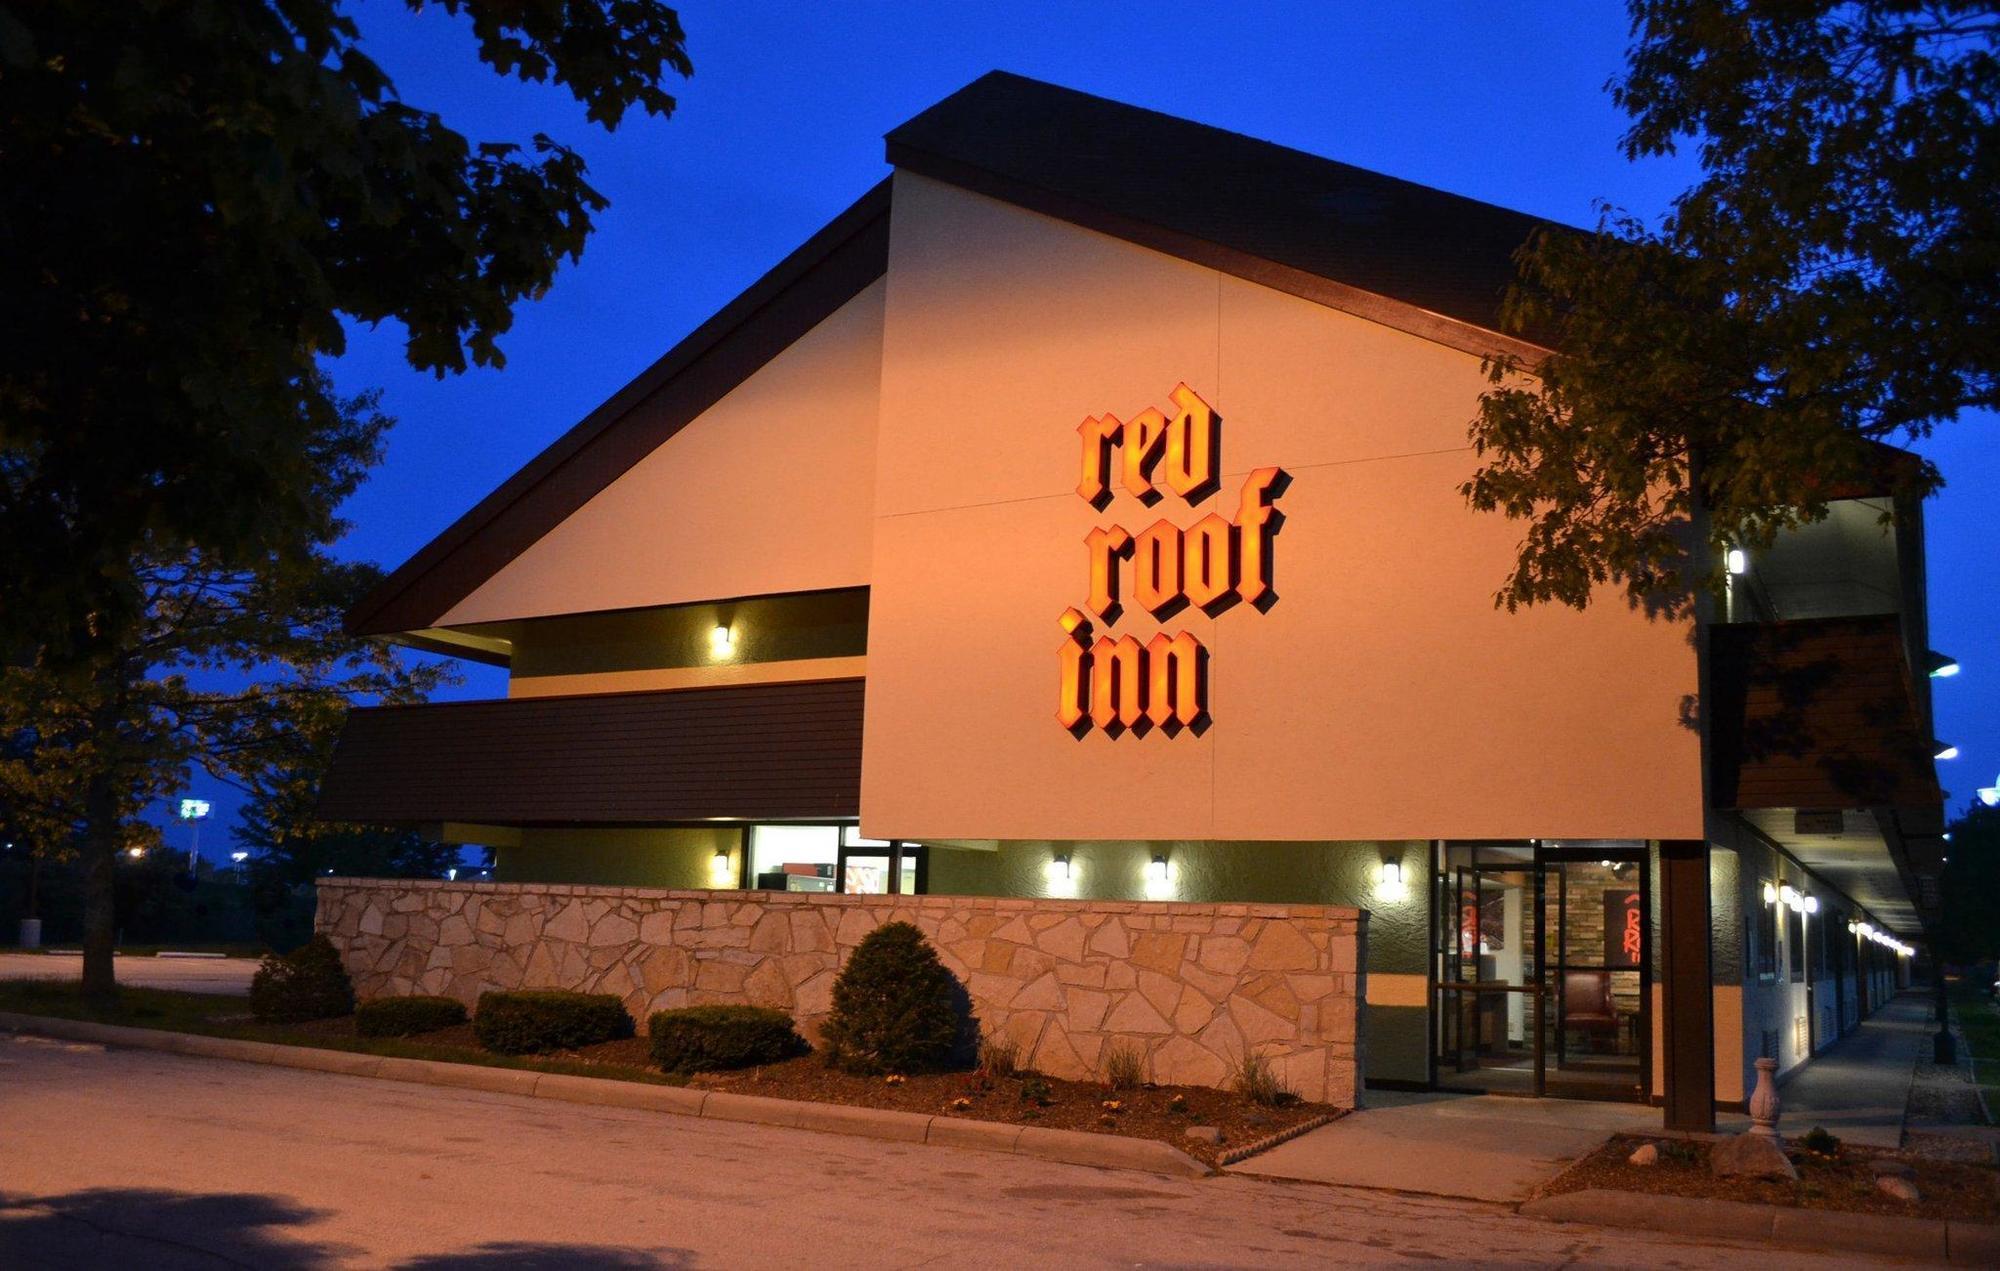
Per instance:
{"type": "Point", "coordinates": [1843, 1181]}
{"type": "Point", "coordinates": [1164, 1113]}
{"type": "Point", "coordinates": [1150, 1112]}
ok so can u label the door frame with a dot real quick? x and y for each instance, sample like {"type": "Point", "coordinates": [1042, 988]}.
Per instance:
{"type": "Point", "coordinates": [1445, 952]}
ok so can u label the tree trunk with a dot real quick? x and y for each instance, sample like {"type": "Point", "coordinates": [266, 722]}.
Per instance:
{"type": "Point", "coordinates": [100, 887]}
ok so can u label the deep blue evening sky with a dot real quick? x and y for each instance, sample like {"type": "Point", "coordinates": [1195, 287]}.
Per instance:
{"type": "Point", "coordinates": [781, 128]}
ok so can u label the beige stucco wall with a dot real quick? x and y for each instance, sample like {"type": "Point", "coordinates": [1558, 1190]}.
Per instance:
{"type": "Point", "coordinates": [1192, 988]}
{"type": "Point", "coordinates": [1382, 697]}
{"type": "Point", "coordinates": [768, 491]}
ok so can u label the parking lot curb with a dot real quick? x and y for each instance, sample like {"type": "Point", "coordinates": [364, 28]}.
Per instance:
{"type": "Point", "coordinates": [1069, 1147]}
{"type": "Point", "coordinates": [1938, 1240]}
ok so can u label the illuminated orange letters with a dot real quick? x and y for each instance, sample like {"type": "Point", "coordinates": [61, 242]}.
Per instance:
{"type": "Point", "coordinates": [1190, 456]}
{"type": "Point", "coordinates": [1177, 687]}
{"type": "Point", "coordinates": [1156, 567]}
{"type": "Point", "coordinates": [1253, 514]}
{"type": "Point", "coordinates": [1105, 546]}
{"type": "Point", "coordinates": [1116, 683]}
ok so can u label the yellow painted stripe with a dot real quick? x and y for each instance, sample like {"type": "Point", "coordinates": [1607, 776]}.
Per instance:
{"type": "Point", "coordinates": [1397, 990]}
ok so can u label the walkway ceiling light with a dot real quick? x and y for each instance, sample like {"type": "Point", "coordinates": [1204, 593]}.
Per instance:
{"type": "Point", "coordinates": [1943, 665]}
{"type": "Point", "coordinates": [1945, 750]}
{"type": "Point", "coordinates": [1737, 561]}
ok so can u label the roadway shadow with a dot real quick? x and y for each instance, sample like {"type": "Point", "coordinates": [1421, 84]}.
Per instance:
{"type": "Point", "coordinates": [156, 1228]}
{"type": "Point", "coordinates": [163, 1230]}
{"type": "Point", "coordinates": [530, 1255]}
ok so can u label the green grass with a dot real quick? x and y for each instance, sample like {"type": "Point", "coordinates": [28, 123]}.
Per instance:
{"type": "Point", "coordinates": [1979, 1023]}
{"type": "Point", "coordinates": [221, 1015]}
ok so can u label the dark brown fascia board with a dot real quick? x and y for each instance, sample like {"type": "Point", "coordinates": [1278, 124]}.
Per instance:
{"type": "Point", "coordinates": [1384, 310]}
{"type": "Point", "coordinates": [431, 644]}
{"type": "Point", "coordinates": [386, 707]}
{"type": "Point", "coordinates": [831, 268]}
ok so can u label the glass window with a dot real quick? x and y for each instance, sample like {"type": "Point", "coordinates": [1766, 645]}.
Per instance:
{"type": "Point", "coordinates": [794, 857]}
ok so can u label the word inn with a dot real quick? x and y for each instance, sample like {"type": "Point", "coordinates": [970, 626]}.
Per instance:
{"type": "Point", "coordinates": [1116, 683]}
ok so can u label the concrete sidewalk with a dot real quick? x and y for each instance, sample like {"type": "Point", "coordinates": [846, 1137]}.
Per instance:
{"type": "Point", "coordinates": [1473, 1147]}
{"type": "Point", "coordinates": [192, 975]}
{"type": "Point", "coordinates": [1499, 1148]}
{"type": "Point", "coordinates": [1859, 1088]}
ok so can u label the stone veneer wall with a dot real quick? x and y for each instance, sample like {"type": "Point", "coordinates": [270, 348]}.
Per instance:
{"type": "Point", "coordinates": [1192, 985]}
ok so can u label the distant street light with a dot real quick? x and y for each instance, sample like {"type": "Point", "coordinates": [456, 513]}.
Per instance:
{"type": "Point", "coordinates": [192, 811]}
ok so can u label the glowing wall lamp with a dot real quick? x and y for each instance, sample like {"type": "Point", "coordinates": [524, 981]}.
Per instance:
{"type": "Point", "coordinates": [1157, 871]}
{"type": "Point", "coordinates": [1389, 884]}
{"type": "Point", "coordinates": [1943, 665]}
{"type": "Point", "coordinates": [1737, 561]}
{"type": "Point", "coordinates": [1811, 904]}
{"type": "Point", "coordinates": [1770, 894]}
{"type": "Point", "coordinates": [721, 641]}
{"type": "Point", "coordinates": [1159, 879]}
{"type": "Point", "coordinates": [718, 867]}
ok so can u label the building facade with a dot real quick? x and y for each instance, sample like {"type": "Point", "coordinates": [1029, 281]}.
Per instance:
{"type": "Point", "coordinates": [1068, 539]}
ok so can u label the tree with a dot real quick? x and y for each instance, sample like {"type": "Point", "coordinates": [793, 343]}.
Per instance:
{"type": "Point", "coordinates": [231, 668]}
{"type": "Point", "coordinates": [1969, 889]}
{"type": "Point", "coordinates": [291, 847]}
{"type": "Point", "coordinates": [193, 198]}
{"type": "Point", "coordinates": [1831, 283]}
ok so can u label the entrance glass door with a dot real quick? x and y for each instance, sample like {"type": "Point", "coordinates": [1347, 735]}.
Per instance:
{"type": "Point", "coordinates": [1541, 959]}
{"type": "Point", "coordinates": [1596, 983]}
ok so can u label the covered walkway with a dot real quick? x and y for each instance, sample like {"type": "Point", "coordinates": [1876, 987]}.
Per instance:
{"type": "Point", "coordinates": [1859, 1088]}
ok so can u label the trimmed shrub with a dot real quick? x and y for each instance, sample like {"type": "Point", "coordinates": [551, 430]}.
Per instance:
{"type": "Point", "coordinates": [532, 1020]}
{"type": "Point", "coordinates": [707, 1038]}
{"type": "Point", "coordinates": [895, 1006]}
{"type": "Point", "coordinates": [407, 1016]}
{"type": "Point", "coordinates": [307, 983]}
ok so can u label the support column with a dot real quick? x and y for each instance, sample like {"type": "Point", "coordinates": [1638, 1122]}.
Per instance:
{"type": "Point", "coordinates": [1687, 994]}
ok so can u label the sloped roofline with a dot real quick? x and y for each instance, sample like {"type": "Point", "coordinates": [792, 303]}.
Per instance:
{"type": "Point", "coordinates": [805, 288]}
{"type": "Point", "coordinates": [1399, 254]}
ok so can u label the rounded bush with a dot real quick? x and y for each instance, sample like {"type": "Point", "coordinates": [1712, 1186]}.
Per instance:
{"type": "Point", "coordinates": [307, 983]}
{"type": "Point", "coordinates": [896, 1008]}
{"type": "Point", "coordinates": [707, 1038]}
{"type": "Point", "coordinates": [407, 1016]}
{"type": "Point", "coordinates": [533, 1020]}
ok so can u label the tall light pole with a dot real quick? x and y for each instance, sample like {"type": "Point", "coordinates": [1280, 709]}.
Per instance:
{"type": "Point", "coordinates": [192, 811]}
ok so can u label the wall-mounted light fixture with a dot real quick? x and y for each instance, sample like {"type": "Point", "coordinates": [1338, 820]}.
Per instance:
{"type": "Point", "coordinates": [1392, 873]}
{"type": "Point", "coordinates": [1770, 894]}
{"type": "Point", "coordinates": [1159, 878]}
{"type": "Point", "coordinates": [721, 641]}
{"type": "Point", "coordinates": [1810, 904]}
{"type": "Point", "coordinates": [718, 866]}
{"type": "Point", "coordinates": [1156, 872]}
{"type": "Point", "coordinates": [1061, 870]}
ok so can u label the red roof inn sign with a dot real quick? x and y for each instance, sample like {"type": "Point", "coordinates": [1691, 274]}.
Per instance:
{"type": "Point", "coordinates": [1116, 683]}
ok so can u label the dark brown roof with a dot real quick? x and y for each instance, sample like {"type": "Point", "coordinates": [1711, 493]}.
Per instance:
{"type": "Point", "coordinates": [1817, 714]}
{"type": "Point", "coordinates": [751, 752]}
{"type": "Point", "coordinates": [1402, 254]}
{"type": "Point", "coordinates": [1328, 231]}
{"type": "Point", "coordinates": [807, 286]}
